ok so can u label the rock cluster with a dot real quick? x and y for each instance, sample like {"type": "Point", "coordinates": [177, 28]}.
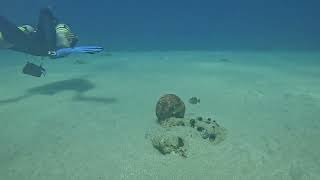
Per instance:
{"type": "Point", "coordinates": [170, 111]}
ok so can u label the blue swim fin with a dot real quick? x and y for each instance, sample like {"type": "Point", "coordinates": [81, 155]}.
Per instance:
{"type": "Point", "coordinates": [80, 49]}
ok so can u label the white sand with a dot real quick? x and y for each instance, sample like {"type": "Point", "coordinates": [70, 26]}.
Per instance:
{"type": "Point", "coordinates": [89, 121]}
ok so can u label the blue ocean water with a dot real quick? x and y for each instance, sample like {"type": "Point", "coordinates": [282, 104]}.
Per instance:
{"type": "Point", "coordinates": [93, 116]}
{"type": "Point", "coordinates": [183, 25]}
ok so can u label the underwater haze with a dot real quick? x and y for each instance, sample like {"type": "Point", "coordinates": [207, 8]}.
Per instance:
{"type": "Point", "coordinates": [184, 25]}
{"type": "Point", "coordinates": [184, 90]}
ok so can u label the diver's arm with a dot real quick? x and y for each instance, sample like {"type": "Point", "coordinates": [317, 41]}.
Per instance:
{"type": "Point", "coordinates": [30, 43]}
{"type": "Point", "coordinates": [47, 29]}
{"type": "Point", "coordinates": [12, 34]}
{"type": "Point", "coordinates": [20, 41]}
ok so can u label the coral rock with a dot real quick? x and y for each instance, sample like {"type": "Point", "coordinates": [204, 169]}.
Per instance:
{"type": "Point", "coordinates": [167, 144]}
{"type": "Point", "coordinates": [169, 106]}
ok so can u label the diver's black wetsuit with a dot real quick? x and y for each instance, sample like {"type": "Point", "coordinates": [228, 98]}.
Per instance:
{"type": "Point", "coordinates": [36, 43]}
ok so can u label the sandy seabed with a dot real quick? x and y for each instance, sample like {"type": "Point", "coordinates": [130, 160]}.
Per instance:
{"type": "Point", "coordinates": [89, 117]}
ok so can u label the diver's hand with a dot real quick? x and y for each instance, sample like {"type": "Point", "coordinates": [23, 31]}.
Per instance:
{"type": "Point", "coordinates": [81, 49]}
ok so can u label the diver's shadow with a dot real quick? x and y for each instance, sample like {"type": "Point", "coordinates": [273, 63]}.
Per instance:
{"type": "Point", "coordinates": [80, 86]}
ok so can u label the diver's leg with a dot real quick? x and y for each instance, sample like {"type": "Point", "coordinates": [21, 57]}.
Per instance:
{"type": "Point", "coordinates": [47, 29]}
{"type": "Point", "coordinates": [12, 33]}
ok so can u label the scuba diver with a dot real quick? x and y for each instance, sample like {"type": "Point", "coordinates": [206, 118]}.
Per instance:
{"type": "Point", "coordinates": [49, 39]}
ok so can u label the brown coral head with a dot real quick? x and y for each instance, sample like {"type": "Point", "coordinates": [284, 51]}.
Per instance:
{"type": "Point", "coordinates": [169, 105]}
